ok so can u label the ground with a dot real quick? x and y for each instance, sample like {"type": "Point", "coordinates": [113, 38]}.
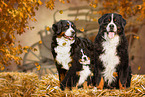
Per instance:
{"type": "Point", "coordinates": [30, 85]}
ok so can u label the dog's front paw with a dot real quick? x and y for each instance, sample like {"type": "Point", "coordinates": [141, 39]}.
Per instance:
{"type": "Point", "coordinates": [62, 86]}
{"type": "Point", "coordinates": [122, 86]}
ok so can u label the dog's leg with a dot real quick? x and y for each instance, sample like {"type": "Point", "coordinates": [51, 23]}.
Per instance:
{"type": "Point", "coordinates": [85, 86]}
{"type": "Point", "coordinates": [123, 75]}
{"type": "Point", "coordinates": [121, 86]}
{"type": "Point", "coordinates": [101, 84]}
{"type": "Point", "coordinates": [129, 78]}
{"type": "Point", "coordinates": [69, 79]}
{"type": "Point", "coordinates": [62, 74]}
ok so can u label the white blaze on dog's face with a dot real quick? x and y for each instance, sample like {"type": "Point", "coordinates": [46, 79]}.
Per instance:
{"type": "Point", "coordinates": [70, 30]}
{"type": "Point", "coordinates": [111, 28]}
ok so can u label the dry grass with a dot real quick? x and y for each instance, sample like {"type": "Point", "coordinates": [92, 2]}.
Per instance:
{"type": "Point", "coordinates": [14, 84]}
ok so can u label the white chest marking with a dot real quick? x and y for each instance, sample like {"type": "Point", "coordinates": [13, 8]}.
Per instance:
{"type": "Point", "coordinates": [86, 70]}
{"type": "Point", "coordinates": [63, 52]}
{"type": "Point", "coordinates": [109, 58]}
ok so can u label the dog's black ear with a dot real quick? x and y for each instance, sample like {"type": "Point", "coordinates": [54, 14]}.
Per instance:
{"type": "Point", "coordinates": [54, 28]}
{"type": "Point", "coordinates": [123, 22]}
{"type": "Point", "coordinates": [57, 27]}
{"type": "Point", "coordinates": [102, 18]}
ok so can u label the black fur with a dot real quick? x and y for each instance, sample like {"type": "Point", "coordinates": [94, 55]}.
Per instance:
{"type": "Point", "coordinates": [71, 78]}
{"type": "Point", "coordinates": [123, 69]}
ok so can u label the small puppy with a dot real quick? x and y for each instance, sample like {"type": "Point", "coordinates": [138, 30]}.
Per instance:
{"type": "Point", "coordinates": [72, 55]}
{"type": "Point", "coordinates": [112, 68]}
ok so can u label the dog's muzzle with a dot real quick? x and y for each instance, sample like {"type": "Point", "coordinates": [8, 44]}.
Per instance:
{"type": "Point", "coordinates": [111, 31]}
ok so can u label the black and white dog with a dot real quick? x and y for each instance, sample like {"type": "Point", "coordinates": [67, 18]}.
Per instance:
{"type": "Point", "coordinates": [112, 68]}
{"type": "Point", "coordinates": [72, 55]}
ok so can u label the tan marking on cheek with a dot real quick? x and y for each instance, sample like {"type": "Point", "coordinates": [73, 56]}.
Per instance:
{"type": "Point", "coordinates": [62, 33]}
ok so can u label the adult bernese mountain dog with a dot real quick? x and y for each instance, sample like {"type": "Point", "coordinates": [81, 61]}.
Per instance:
{"type": "Point", "coordinates": [112, 68]}
{"type": "Point", "coordinates": [72, 55]}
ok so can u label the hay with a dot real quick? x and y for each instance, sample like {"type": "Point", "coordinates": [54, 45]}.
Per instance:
{"type": "Point", "coordinates": [17, 84]}
{"type": "Point", "coordinates": [29, 85]}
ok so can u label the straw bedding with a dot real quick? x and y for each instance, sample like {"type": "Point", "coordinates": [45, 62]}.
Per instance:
{"type": "Point", "coordinates": [14, 84]}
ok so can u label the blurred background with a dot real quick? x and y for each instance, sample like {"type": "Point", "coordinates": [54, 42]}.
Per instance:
{"type": "Point", "coordinates": [36, 42]}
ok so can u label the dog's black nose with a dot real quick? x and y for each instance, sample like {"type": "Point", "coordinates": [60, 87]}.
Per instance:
{"type": "Point", "coordinates": [111, 27]}
{"type": "Point", "coordinates": [73, 31]}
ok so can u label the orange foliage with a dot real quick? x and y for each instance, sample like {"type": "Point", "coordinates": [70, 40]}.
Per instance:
{"type": "Point", "coordinates": [14, 15]}
{"type": "Point", "coordinates": [127, 8]}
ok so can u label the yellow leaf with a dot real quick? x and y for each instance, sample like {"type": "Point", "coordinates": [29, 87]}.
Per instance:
{"type": "Point", "coordinates": [0, 10]}
{"type": "Point", "coordinates": [34, 19]}
{"type": "Point", "coordinates": [47, 28]}
{"type": "Point", "coordinates": [77, 19]}
{"type": "Point", "coordinates": [139, 67]}
{"type": "Point", "coordinates": [139, 6]}
{"type": "Point", "coordinates": [36, 64]}
{"type": "Point", "coordinates": [38, 67]}
{"type": "Point", "coordinates": [82, 29]}
{"type": "Point", "coordinates": [60, 11]}
{"type": "Point", "coordinates": [40, 42]}
{"type": "Point", "coordinates": [94, 19]}
{"type": "Point", "coordinates": [68, 1]}
{"type": "Point", "coordinates": [2, 68]}
{"type": "Point", "coordinates": [94, 5]}
{"type": "Point", "coordinates": [21, 14]}
{"type": "Point", "coordinates": [40, 3]}
{"type": "Point", "coordinates": [137, 37]}
{"type": "Point", "coordinates": [35, 49]}
{"type": "Point", "coordinates": [26, 47]}
{"type": "Point", "coordinates": [25, 51]}
{"type": "Point", "coordinates": [62, 1]}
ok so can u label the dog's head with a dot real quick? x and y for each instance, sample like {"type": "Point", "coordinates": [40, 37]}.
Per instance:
{"type": "Point", "coordinates": [112, 24]}
{"type": "Point", "coordinates": [65, 28]}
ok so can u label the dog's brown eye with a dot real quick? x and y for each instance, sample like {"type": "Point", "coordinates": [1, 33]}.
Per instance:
{"type": "Point", "coordinates": [72, 25]}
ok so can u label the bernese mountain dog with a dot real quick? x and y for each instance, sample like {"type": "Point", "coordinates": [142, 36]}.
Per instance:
{"type": "Point", "coordinates": [72, 55]}
{"type": "Point", "coordinates": [112, 68]}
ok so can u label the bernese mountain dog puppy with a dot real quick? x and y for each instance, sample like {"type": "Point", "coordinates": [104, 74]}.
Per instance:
{"type": "Point", "coordinates": [72, 55]}
{"type": "Point", "coordinates": [112, 68]}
